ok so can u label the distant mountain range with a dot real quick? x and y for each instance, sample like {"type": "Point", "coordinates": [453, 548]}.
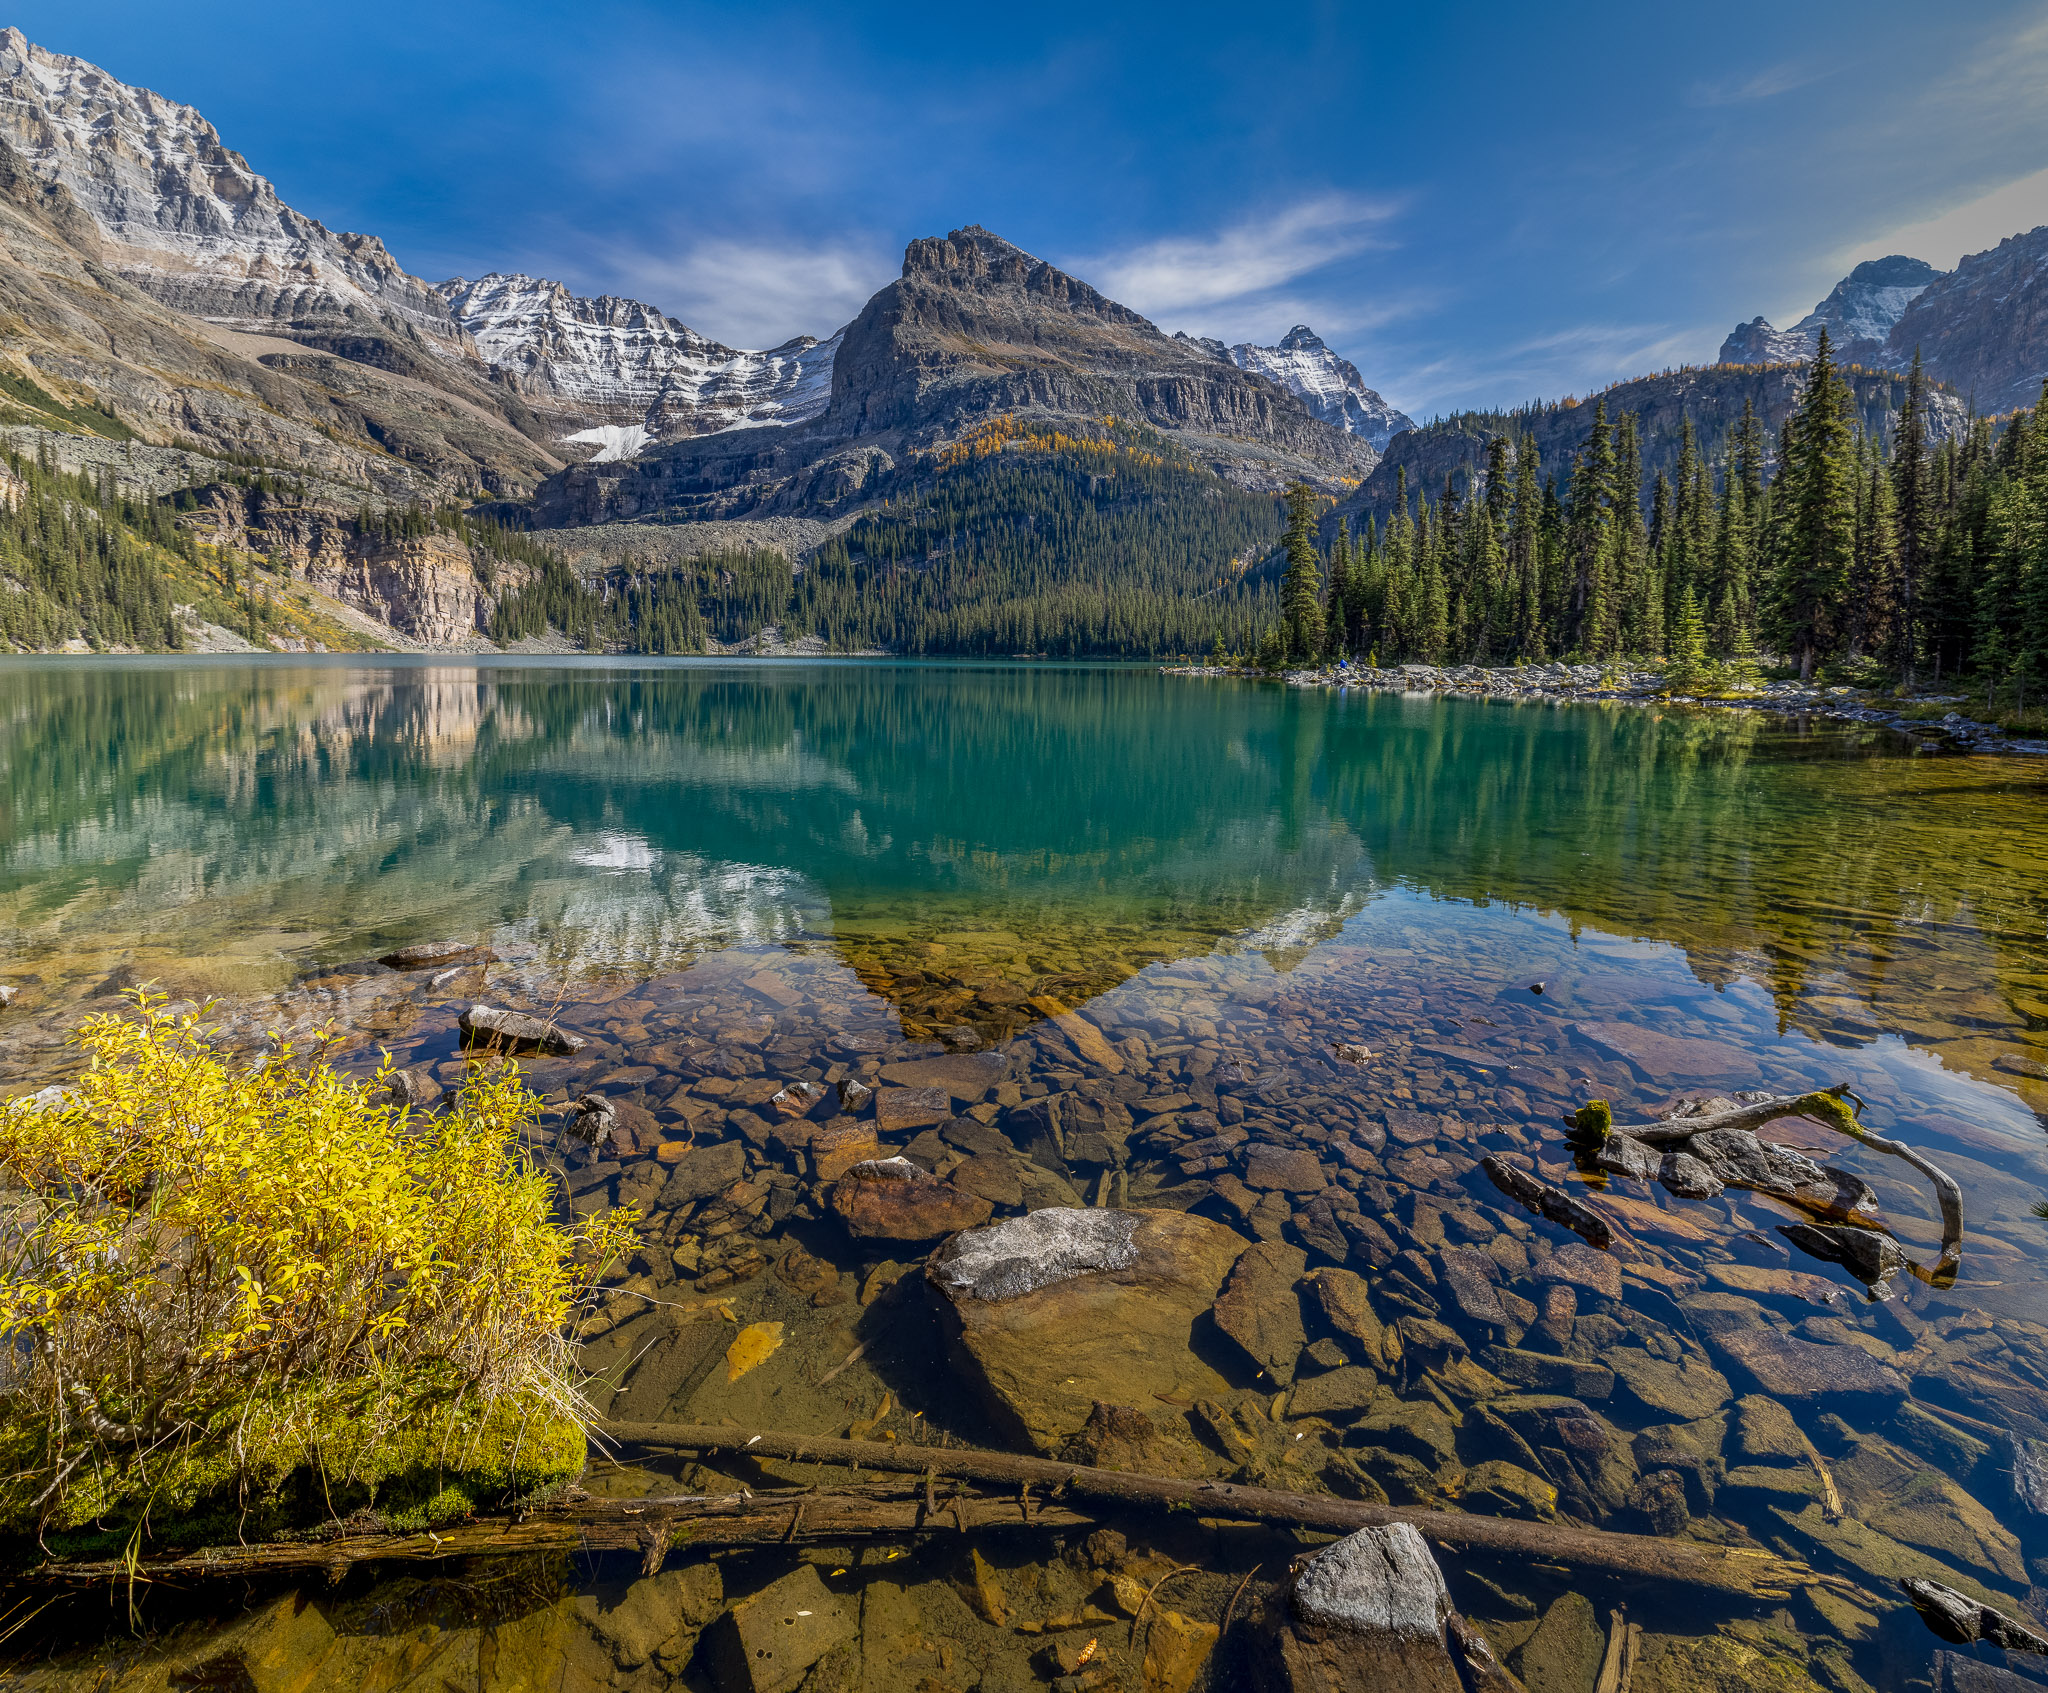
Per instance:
{"type": "Point", "coordinates": [164, 313]}
{"type": "Point", "coordinates": [491, 385]}
{"type": "Point", "coordinates": [1981, 328]}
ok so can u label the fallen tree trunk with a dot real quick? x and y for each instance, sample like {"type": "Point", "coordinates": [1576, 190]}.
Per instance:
{"type": "Point", "coordinates": [1756, 1574]}
{"type": "Point", "coordinates": [650, 1527]}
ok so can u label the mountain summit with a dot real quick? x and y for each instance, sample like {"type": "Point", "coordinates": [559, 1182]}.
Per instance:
{"type": "Point", "coordinates": [975, 329]}
{"type": "Point", "coordinates": [186, 220]}
{"type": "Point", "coordinates": [1859, 314]}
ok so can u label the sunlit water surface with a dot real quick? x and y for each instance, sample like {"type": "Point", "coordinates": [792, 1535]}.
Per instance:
{"type": "Point", "coordinates": [814, 870]}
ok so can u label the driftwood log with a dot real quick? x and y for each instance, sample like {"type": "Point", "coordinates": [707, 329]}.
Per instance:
{"type": "Point", "coordinates": [578, 1523]}
{"type": "Point", "coordinates": [1741, 1570]}
{"type": "Point", "coordinates": [1825, 1106]}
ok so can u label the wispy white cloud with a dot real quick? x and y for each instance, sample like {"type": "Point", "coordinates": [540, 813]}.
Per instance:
{"type": "Point", "coordinates": [1195, 274]}
{"type": "Point", "coordinates": [1766, 84]}
{"type": "Point", "coordinates": [1942, 240]}
{"type": "Point", "coordinates": [757, 293]}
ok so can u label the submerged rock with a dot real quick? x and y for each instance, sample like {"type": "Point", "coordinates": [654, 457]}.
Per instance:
{"type": "Point", "coordinates": [1259, 1310]}
{"type": "Point", "coordinates": [892, 1199]}
{"type": "Point", "coordinates": [768, 1642]}
{"type": "Point", "coordinates": [428, 955]}
{"type": "Point", "coordinates": [1788, 1368]}
{"type": "Point", "coordinates": [517, 1031]}
{"type": "Point", "coordinates": [1057, 1310]}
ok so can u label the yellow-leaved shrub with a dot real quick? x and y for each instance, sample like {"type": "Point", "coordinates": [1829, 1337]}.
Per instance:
{"type": "Point", "coordinates": [258, 1291]}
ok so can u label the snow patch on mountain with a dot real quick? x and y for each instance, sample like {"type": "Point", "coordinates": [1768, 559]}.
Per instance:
{"type": "Point", "coordinates": [1859, 314]}
{"type": "Point", "coordinates": [613, 441]}
{"type": "Point", "coordinates": [618, 359]}
{"type": "Point", "coordinates": [1330, 386]}
{"type": "Point", "coordinates": [186, 219]}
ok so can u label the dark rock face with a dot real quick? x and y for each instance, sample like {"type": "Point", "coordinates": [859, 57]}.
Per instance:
{"type": "Point", "coordinates": [974, 329]}
{"type": "Point", "coordinates": [1983, 328]}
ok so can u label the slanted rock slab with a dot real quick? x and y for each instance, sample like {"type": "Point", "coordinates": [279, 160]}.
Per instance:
{"type": "Point", "coordinates": [516, 1031]}
{"type": "Point", "coordinates": [1258, 1308]}
{"type": "Point", "coordinates": [1059, 1309]}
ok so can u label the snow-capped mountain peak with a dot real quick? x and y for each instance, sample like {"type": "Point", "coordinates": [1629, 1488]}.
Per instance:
{"type": "Point", "coordinates": [639, 370]}
{"type": "Point", "coordinates": [1330, 386]}
{"type": "Point", "coordinates": [1859, 313]}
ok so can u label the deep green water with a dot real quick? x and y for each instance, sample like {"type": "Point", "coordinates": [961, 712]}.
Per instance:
{"type": "Point", "coordinates": [1200, 865]}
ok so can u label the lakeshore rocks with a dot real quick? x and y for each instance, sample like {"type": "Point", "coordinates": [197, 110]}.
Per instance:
{"type": "Point", "coordinates": [1058, 1310]}
{"type": "Point", "coordinates": [892, 1199]}
{"type": "Point", "coordinates": [517, 1031]}
{"type": "Point", "coordinates": [1366, 1614]}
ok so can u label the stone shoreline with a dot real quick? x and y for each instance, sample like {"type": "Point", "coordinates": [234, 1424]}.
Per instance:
{"type": "Point", "coordinates": [1591, 684]}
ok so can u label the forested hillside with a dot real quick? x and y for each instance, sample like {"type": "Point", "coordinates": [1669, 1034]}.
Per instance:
{"type": "Point", "coordinates": [1896, 555]}
{"type": "Point", "coordinates": [1014, 540]}
{"type": "Point", "coordinates": [84, 563]}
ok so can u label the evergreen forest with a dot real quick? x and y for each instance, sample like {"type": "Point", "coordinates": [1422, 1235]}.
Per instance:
{"type": "Point", "coordinates": [1862, 554]}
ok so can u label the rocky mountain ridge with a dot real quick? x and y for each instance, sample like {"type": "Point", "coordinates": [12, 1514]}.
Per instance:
{"type": "Point", "coordinates": [1859, 313]}
{"type": "Point", "coordinates": [187, 220]}
{"type": "Point", "coordinates": [1329, 385]}
{"type": "Point", "coordinates": [613, 365]}
{"type": "Point", "coordinates": [1982, 328]}
{"type": "Point", "coordinates": [974, 329]}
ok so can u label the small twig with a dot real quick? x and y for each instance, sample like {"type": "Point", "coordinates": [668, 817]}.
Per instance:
{"type": "Point", "coordinates": [1610, 1665]}
{"type": "Point", "coordinates": [1230, 1610]}
{"type": "Point", "coordinates": [847, 1362]}
{"type": "Point", "coordinates": [1142, 1603]}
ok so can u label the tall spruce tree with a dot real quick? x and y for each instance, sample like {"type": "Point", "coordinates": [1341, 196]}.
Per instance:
{"type": "Point", "coordinates": [1816, 541]}
{"type": "Point", "coordinates": [1301, 585]}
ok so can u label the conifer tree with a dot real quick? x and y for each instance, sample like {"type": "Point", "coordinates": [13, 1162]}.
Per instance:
{"type": "Point", "coordinates": [1301, 585]}
{"type": "Point", "coordinates": [1816, 543]}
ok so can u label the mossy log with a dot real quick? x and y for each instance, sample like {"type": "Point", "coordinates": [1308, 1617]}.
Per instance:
{"type": "Point", "coordinates": [578, 1523]}
{"type": "Point", "coordinates": [1688, 1563]}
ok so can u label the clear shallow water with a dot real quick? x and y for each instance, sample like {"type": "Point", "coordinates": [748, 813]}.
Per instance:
{"type": "Point", "coordinates": [803, 867]}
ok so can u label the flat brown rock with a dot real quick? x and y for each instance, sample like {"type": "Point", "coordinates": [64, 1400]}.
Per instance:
{"type": "Point", "coordinates": [966, 1076]}
{"type": "Point", "coordinates": [892, 1199]}
{"type": "Point", "coordinates": [911, 1108]}
{"type": "Point", "coordinates": [1061, 1309]}
{"type": "Point", "coordinates": [1789, 1368]}
{"type": "Point", "coordinates": [1660, 1055]}
{"type": "Point", "coordinates": [1284, 1170]}
{"type": "Point", "coordinates": [1259, 1309]}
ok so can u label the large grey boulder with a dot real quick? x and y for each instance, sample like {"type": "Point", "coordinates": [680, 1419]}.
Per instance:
{"type": "Point", "coordinates": [1369, 1614]}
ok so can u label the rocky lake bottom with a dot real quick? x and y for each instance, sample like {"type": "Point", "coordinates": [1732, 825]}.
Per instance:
{"type": "Point", "coordinates": [1301, 1145]}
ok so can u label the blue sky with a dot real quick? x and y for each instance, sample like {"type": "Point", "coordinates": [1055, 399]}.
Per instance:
{"type": "Point", "coordinates": [1478, 203]}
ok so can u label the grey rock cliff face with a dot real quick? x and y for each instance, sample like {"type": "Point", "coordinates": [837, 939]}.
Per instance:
{"type": "Point", "coordinates": [185, 218]}
{"type": "Point", "coordinates": [1983, 328]}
